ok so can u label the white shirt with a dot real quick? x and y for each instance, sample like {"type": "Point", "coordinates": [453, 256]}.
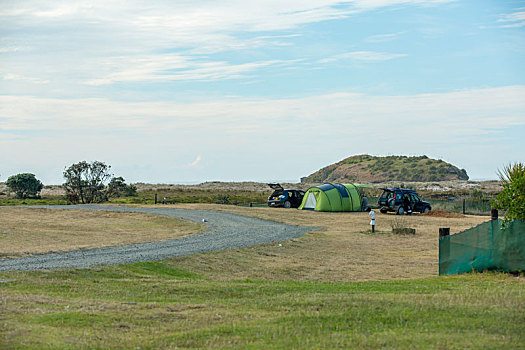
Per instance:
{"type": "Point", "coordinates": [372, 217]}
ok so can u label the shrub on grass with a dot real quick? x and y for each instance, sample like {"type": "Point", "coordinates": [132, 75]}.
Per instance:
{"type": "Point", "coordinates": [400, 226]}
{"type": "Point", "coordinates": [24, 185]}
{"type": "Point", "coordinates": [117, 187]}
{"type": "Point", "coordinates": [86, 181]}
{"type": "Point", "coordinates": [222, 199]}
{"type": "Point", "coordinates": [512, 198]}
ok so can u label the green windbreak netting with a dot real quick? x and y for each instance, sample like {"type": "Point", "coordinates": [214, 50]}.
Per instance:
{"type": "Point", "coordinates": [485, 247]}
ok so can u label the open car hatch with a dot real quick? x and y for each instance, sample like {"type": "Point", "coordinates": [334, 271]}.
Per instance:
{"type": "Point", "coordinates": [276, 187]}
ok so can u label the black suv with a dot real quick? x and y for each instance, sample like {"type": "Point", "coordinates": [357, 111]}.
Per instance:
{"type": "Point", "coordinates": [401, 201]}
{"type": "Point", "coordinates": [285, 198]}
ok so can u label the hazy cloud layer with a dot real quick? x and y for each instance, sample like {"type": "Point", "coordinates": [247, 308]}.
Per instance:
{"type": "Point", "coordinates": [174, 133]}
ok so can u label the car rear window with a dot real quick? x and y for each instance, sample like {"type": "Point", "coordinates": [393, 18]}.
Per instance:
{"type": "Point", "coordinates": [387, 195]}
{"type": "Point", "coordinates": [276, 193]}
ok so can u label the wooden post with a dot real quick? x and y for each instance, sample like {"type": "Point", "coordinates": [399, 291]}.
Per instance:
{"type": "Point", "coordinates": [155, 198]}
{"type": "Point", "coordinates": [444, 231]}
{"type": "Point", "coordinates": [463, 206]}
{"type": "Point", "coordinates": [493, 214]}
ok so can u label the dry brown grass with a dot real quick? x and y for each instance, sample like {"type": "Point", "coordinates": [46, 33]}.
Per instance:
{"type": "Point", "coordinates": [36, 230]}
{"type": "Point", "coordinates": [340, 250]}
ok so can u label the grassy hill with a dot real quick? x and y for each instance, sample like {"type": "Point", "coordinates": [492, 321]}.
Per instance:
{"type": "Point", "coordinates": [366, 168]}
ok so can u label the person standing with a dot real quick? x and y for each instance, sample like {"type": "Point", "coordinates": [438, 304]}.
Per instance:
{"type": "Point", "coordinates": [406, 204]}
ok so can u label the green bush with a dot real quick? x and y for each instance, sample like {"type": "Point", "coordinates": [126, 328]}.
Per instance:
{"type": "Point", "coordinates": [24, 185]}
{"type": "Point", "coordinates": [222, 199]}
{"type": "Point", "coordinates": [512, 198]}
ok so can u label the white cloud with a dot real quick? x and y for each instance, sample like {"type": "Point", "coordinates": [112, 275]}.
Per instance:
{"type": "Point", "coordinates": [379, 38]}
{"type": "Point", "coordinates": [17, 77]}
{"type": "Point", "coordinates": [196, 161]}
{"type": "Point", "coordinates": [363, 56]}
{"type": "Point", "coordinates": [173, 67]}
{"type": "Point", "coordinates": [12, 49]}
{"type": "Point", "coordinates": [514, 20]}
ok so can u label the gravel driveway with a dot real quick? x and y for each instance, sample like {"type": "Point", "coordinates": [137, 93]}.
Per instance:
{"type": "Point", "coordinates": [224, 231]}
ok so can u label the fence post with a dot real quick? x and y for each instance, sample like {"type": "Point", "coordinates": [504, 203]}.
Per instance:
{"type": "Point", "coordinates": [493, 214]}
{"type": "Point", "coordinates": [155, 198]}
{"type": "Point", "coordinates": [444, 231]}
{"type": "Point", "coordinates": [464, 206]}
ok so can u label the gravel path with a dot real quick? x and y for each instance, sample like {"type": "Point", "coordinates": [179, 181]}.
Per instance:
{"type": "Point", "coordinates": [224, 231]}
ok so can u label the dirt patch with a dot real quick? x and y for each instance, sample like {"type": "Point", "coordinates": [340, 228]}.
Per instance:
{"type": "Point", "coordinates": [443, 214]}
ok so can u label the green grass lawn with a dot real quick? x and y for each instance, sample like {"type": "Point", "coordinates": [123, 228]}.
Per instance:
{"type": "Point", "coordinates": [157, 305]}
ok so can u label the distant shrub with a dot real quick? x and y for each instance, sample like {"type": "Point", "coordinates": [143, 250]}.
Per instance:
{"type": "Point", "coordinates": [117, 188]}
{"type": "Point", "coordinates": [222, 199]}
{"type": "Point", "coordinates": [24, 185]}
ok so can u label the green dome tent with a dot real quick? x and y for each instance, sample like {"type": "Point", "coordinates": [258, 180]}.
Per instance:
{"type": "Point", "coordinates": [333, 197]}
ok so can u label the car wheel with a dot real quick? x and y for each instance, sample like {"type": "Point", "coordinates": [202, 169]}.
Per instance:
{"type": "Point", "coordinates": [383, 210]}
{"type": "Point", "coordinates": [400, 211]}
{"type": "Point", "coordinates": [287, 204]}
{"type": "Point", "coordinates": [425, 210]}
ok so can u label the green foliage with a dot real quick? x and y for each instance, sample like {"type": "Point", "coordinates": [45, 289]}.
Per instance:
{"type": "Point", "coordinates": [24, 185]}
{"type": "Point", "coordinates": [222, 199]}
{"type": "Point", "coordinates": [85, 182]}
{"type": "Point", "coordinates": [401, 168]}
{"type": "Point", "coordinates": [512, 198]}
{"type": "Point", "coordinates": [117, 188]}
{"type": "Point", "coordinates": [476, 195]}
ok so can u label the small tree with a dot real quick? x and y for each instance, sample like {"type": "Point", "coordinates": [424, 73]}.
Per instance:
{"type": "Point", "coordinates": [512, 198]}
{"type": "Point", "coordinates": [24, 185]}
{"type": "Point", "coordinates": [85, 182]}
{"type": "Point", "coordinates": [117, 188]}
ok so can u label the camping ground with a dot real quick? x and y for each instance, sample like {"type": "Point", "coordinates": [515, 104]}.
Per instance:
{"type": "Point", "coordinates": [337, 286]}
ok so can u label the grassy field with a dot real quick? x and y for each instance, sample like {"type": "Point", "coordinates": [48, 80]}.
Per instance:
{"type": "Point", "coordinates": [336, 287]}
{"type": "Point", "coordinates": [34, 230]}
{"type": "Point", "coordinates": [159, 305]}
{"type": "Point", "coordinates": [340, 250]}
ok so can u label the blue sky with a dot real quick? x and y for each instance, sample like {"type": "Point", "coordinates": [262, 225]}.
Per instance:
{"type": "Point", "coordinates": [193, 91]}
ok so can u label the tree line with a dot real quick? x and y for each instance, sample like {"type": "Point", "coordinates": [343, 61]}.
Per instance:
{"type": "Point", "coordinates": [88, 183]}
{"type": "Point", "coordinates": [85, 182]}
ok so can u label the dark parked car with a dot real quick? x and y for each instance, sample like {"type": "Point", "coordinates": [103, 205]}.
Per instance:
{"type": "Point", "coordinates": [285, 198]}
{"type": "Point", "coordinates": [401, 201]}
